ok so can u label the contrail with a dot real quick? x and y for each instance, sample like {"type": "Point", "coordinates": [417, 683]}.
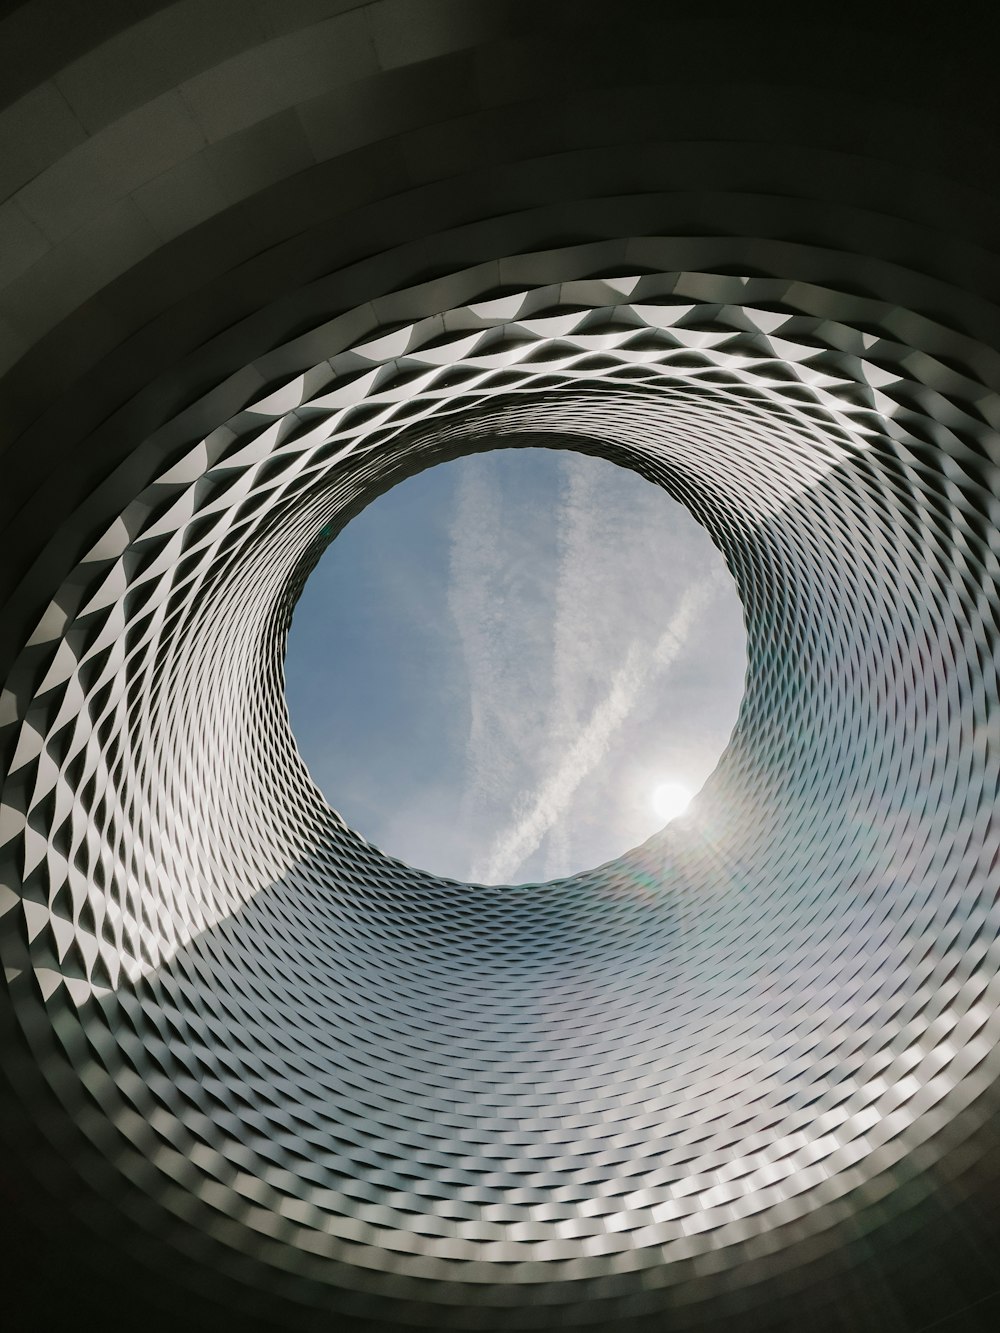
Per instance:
{"type": "Point", "coordinates": [515, 844]}
{"type": "Point", "coordinates": [475, 556]}
{"type": "Point", "coordinates": [581, 564]}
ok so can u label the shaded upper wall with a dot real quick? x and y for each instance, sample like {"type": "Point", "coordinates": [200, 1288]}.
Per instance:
{"type": "Point", "coordinates": [157, 121]}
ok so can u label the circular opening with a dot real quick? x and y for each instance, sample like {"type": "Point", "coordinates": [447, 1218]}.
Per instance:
{"type": "Point", "coordinates": [516, 666]}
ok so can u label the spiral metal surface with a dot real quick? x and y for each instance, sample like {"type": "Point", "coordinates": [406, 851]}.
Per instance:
{"type": "Point", "coordinates": [258, 1071]}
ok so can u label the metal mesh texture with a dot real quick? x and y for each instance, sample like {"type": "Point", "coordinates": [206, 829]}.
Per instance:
{"type": "Point", "coordinates": [390, 1088]}
{"type": "Point", "coordinates": [257, 1073]}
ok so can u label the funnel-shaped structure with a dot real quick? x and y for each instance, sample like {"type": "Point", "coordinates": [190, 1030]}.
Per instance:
{"type": "Point", "coordinates": [266, 261]}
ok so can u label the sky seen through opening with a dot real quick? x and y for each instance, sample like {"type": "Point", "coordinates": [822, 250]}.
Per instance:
{"type": "Point", "coordinates": [516, 666]}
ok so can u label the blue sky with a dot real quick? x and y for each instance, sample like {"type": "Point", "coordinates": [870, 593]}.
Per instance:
{"type": "Point", "coordinates": [496, 664]}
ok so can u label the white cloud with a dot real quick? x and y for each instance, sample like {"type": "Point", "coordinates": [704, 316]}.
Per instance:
{"type": "Point", "coordinates": [498, 607]}
{"type": "Point", "coordinates": [578, 571]}
{"type": "Point", "coordinates": [474, 556]}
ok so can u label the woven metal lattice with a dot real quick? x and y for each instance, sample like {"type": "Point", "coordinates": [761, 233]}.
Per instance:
{"type": "Point", "coordinates": [454, 1105]}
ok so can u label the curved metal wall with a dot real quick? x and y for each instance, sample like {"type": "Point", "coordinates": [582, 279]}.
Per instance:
{"type": "Point", "coordinates": [268, 260]}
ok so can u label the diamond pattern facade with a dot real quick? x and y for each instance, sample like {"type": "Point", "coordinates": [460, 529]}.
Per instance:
{"type": "Point", "coordinates": [744, 1075]}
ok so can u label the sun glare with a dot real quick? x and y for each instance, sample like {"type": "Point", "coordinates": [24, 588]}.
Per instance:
{"type": "Point", "coordinates": [670, 799]}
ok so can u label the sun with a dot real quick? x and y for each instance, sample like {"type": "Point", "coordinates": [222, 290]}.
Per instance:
{"type": "Point", "coordinates": [670, 799]}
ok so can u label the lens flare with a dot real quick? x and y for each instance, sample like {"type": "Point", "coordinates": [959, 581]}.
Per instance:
{"type": "Point", "coordinates": [670, 799]}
